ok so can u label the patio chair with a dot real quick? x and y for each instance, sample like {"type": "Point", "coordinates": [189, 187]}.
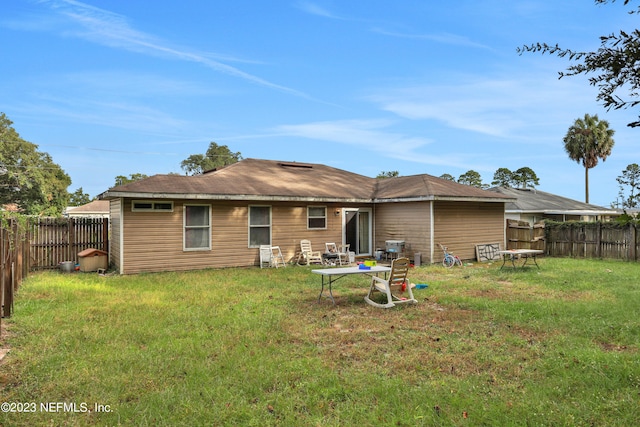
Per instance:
{"type": "Point", "coordinates": [343, 252]}
{"type": "Point", "coordinates": [308, 255]}
{"type": "Point", "coordinates": [271, 256]}
{"type": "Point", "coordinates": [339, 253]}
{"type": "Point", "coordinates": [391, 288]}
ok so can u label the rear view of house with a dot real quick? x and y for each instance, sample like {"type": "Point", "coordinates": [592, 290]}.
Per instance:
{"type": "Point", "coordinates": [220, 218]}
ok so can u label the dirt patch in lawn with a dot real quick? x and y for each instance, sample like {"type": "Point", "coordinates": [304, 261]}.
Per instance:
{"type": "Point", "coordinates": [4, 348]}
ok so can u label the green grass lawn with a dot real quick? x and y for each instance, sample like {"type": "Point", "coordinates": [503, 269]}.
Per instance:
{"type": "Point", "coordinates": [551, 346]}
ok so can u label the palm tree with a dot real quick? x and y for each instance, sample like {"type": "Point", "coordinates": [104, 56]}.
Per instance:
{"type": "Point", "coordinates": [587, 141]}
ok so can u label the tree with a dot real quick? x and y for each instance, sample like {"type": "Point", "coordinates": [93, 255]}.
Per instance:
{"type": "Point", "coordinates": [448, 177]}
{"type": "Point", "coordinates": [29, 178]}
{"type": "Point", "coordinates": [122, 180]}
{"type": "Point", "coordinates": [471, 178]}
{"type": "Point", "coordinates": [630, 178]}
{"type": "Point", "coordinates": [613, 67]}
{"type": "Point", "coordinates": [79, 198]}
{"type": "Point", "coordinates": [525, 177]}
{"type": "Point", "coordinates": [217, 156]}
{"type": "Point", "coordinates": [522, 178]}
{"type": "Point", "coordinates": [587, 141]}
{"type": "Point", "coordinates": [503, 177]}
{"type": "Point", "coordinates": [390, 174]}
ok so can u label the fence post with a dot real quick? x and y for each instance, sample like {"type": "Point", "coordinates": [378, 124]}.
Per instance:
{"type": "Point", "coordinates": [633, 244]}
{"type": "Point", "coordinates": [105, 234]}
{"type": "Point", "coordinates": [71, 237]}
{"type": "Point", "coordinates": [599, 239]}
{"type": "Point", "coordinates": [7, 266]}
{"type": "Point", "coordinates": [572, 239]}
{"type": "Point", "coordinates": [2, 232]}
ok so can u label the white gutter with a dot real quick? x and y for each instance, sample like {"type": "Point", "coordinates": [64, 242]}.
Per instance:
{"type": "Point", "coordinates": [561, 212]}
{"type": "Point", "coordinates": [443, 199]}
{"type": "Point", "coordinates": [231, 197]}
{"type": "Point", "coordinates": [256, 197]}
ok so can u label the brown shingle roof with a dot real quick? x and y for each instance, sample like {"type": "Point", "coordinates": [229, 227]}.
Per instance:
{"type": "Point", "coordinates": [95, 206]}
{"type": "Point", "coordinates": [536, 201]}
{"type": "Point", "coordinates": [268, 179]}
{"type": "Point", "coordinates": [427, 187]}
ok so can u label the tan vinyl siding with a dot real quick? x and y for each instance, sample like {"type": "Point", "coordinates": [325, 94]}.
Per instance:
{"type": "Point", "coordinates": [154, 240]}
{"type": "Point", "coordinates": [404, 221]}
{"type": "Point", "coordinates": [289, 226]}
{"type": "Point", "coordinates": [462, 225]}
{"type": "Point", "coordinates": [114, 243]}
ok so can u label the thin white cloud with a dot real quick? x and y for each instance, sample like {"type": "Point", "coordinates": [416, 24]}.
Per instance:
{"type": "Point", "coordinates": [365, 133]}
{"type": "Point", "coordinates": [503, 108]}
{"type": "Point", "coordinates": [133, 84]}
{"type": "Point", "coordinates": [371, 135]}
{"type": "Point", "coordinates": [116, 114]}
{"type": "Point", "coordinates": [444, 38]}
{"type": "Point", "coordinates": [314, 9]}
{"type": "Point", "coordinates": [110, 29]}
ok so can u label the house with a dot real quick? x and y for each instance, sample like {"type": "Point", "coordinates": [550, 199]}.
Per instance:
{"type": "Point", "coordinates": [533, 206]}
{"type": "Point", "coordinates": [93, 209]}
{"type": "Point", "coordinates": [220, 218]}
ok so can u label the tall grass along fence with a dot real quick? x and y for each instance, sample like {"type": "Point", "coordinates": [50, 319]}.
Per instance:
{"type": "Point", "coordinates": [592, 240]}
{"type": "Point", "coordinates": [43, 243]}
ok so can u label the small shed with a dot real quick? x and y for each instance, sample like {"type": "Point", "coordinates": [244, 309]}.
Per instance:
{"type": "Point", "coordinates": [92, 259]}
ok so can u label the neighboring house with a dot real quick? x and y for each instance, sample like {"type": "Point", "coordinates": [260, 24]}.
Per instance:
{"type": "Point", "coordinates": [94, 209]}
{"type": "Point", "coordinates": [10, 207]}
{"type": "Point", "coordinates": [633, 212]}
{"type": "Point", "coordinates": [533, 206]}
{"type": "Point", "coordinates": [220, 218]}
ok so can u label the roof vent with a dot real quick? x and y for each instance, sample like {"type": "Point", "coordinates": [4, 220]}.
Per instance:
{"type": "Point", "coordinates": [529, 189]}
{"type": "Point", "coordinates": [296, 165]}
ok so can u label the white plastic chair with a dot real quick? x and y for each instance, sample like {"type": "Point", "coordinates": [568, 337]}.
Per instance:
{"type": "Point", "coordinates": [343, 253]}
{"type": "Point", "coordinates": [339, 252]}
{"type": "Point", "coordinates": [265, 256]}
{"type": "Point", "coordinates": [271, 256]}
{"type": "Point", "coordinates": [396, 283]}
{"type": "Point", "coordinates": [308, 255]}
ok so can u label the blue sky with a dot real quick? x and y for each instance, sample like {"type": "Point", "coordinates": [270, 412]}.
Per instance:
{"type": "Point", "coordinates": [115, 87]}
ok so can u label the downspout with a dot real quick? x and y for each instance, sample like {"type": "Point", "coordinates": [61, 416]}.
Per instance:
{"type": "Point", "coordinates": [373, 229]}
{"type": "Point", "coordinates": [504, 226]}
{"type": "Point", "coordinates": [121, 236]}
{"type": "Point", "coordinates": [431, 226]}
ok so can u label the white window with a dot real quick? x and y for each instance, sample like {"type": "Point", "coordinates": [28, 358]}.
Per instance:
{"type": "Point", "coordinates": [151, 206]}
{"type": "Point", "coordinates": [197, 227]}
{"type": "Point", "coordinates": [317, 217]}
{"type": "Point", "coordinates": [259, 226]}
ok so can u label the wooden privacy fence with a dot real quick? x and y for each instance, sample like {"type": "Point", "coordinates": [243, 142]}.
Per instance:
{"type": "Point", "coordinates": [14, 255]}
{"type": "Point", "coordinates": [54, 240]}
{"type": "Point", "coordinates": [593, 240]}
{"type": "Point", "coordinates": [43, 243]}
{"type": "Point", "coordinates": [576, 239]}
{"type": "Point", "coordinates": [521, 235]}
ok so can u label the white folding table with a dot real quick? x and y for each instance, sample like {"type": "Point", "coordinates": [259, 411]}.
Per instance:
{"type": "Point", "coordinates": [334, 274]}
{"type": "Point", "coordinates": [520, 253]}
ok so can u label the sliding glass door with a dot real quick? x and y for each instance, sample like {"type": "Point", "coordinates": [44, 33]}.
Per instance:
{"type": "Point", "coordinates": [358, 230]}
